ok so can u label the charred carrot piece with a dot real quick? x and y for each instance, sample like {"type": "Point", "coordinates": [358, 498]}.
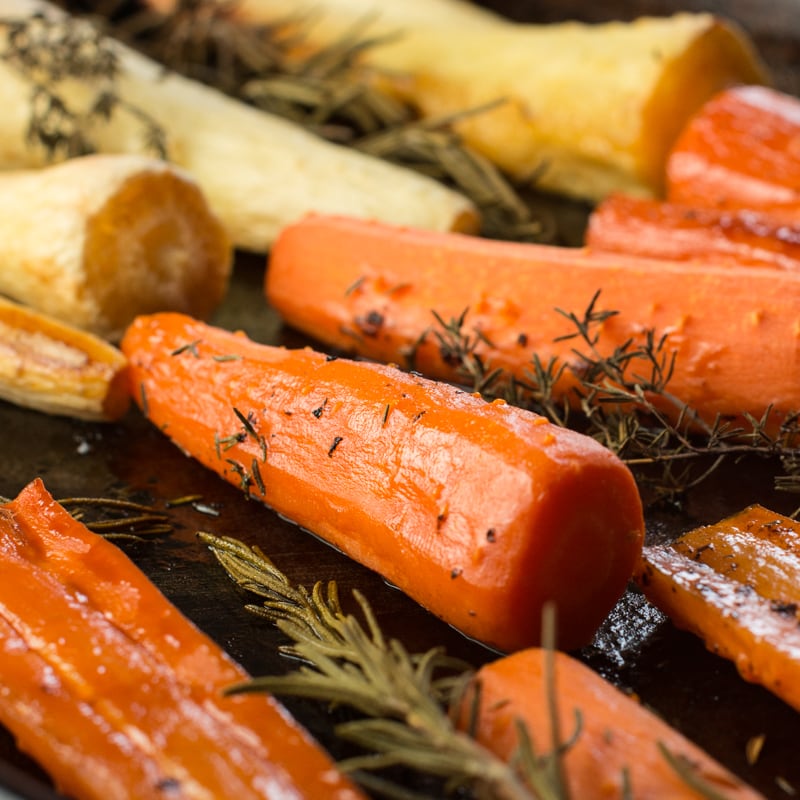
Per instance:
{"type": "Point", "coordinates": [741, 149]}
{"type": "Point", "coordinates": [619, 749]}
{"type": "Point", "coordinates": [373, 289]}
{"type": "Point", "coordinates": [736, 584]}
{"type": "Point", "coordinates": [481, 512]}
{"type": "Point", "coordinates": [115, 693]}
{"type": "Point", "coordinates": [678, 232]}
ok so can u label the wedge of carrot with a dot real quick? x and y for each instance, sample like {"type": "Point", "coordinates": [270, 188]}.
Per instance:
{"type": "Point", "coordinates": [373, 289]}
{"type": "Point", "coordinates": [115, 693]}
{"type": "Point", "coordinates": [482, 512]}
{"type": "Point", "coordinates": [620, 748]}
{"type": "Point", "coordinates": [741, 149]}
{"type": "Point", "coordinates": [736, 584]}
{"type": "Point", "coordinates": [679, 232]}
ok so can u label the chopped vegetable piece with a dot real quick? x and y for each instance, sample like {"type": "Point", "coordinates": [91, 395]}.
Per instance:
{"type": "Point", "coordinates": [741, 149]}
{"type": "Point", "coordinates": [481, 512]}
{"type": "Point", "coordinates": [97, 240]}
{"type": "Point", "coordinates": [58, 369]}
{"type": "Point", "coordinates": [373, 289]}
{"type": "Point", "coordinates": [736, 585]}
{"type": "Point", "coordinates": [257, 170]}
{"type": "Point", "coordinates": [615, 746]}
{"type": "Point", "coordinates": [115, 693]}
{"type": "Point", "coordinates": [580, 109]}
{"type": "Point", "coordinates": [673, 231]}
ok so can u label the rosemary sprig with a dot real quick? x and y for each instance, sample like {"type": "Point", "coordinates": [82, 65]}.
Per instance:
{"type": "Point", "coordinates": [114, 518]}
{"type": "Point", "coordinates": [407, 719]}
{"type": "Point", "coordinates": [404, 702]}
{"type": "Point", "coordinates": [48, 52]}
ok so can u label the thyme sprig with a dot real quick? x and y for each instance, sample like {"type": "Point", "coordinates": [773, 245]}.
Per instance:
{"type": "Point", "coordinates": [622, 399]}
{"type": "Point", "coordinates": [325, 90]}
{"type": "Point", "coordinates": [49, 52]}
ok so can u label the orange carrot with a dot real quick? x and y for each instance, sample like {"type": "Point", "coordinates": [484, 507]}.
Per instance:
{"type": "Point", "coordinates": [115, 693]}
{"type": "Point", "coordinates": [741, 149]}
{"type": "Point", "coordinates": [658, 229]}
{"type": "Point", "coordinates": [481, 512]}
{"type": "Point", "coordinates": [372, 289]}
{"type": "Point", "coordinates": [736, 584]}
{"type": "Point", "coordinates": [618, 740]}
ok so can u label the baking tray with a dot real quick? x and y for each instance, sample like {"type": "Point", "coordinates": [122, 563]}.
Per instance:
{"type": "Point", "coordinates": [669, 670]}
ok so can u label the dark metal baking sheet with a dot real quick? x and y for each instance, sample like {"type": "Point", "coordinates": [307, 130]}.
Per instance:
{"type": "Point", "coordinates": [669, 670]}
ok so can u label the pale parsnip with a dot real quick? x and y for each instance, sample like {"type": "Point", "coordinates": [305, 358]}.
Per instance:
{"type": "Point", "coordinates": [96, 240]}
{"type": "Point", "coordinates": [258, 171]}
{"type": "Point", "coordinates": [596, 106]}
{"type": "Point", "coordinates": [59, 369]}
{"type": "Point", "coordinates": [384, 16]}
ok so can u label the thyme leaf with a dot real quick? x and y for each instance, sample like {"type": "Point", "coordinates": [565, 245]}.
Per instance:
{"type": "Point", "coordinates": [118, 519]}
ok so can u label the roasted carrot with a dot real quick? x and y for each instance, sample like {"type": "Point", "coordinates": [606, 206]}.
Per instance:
{"type": "Point", "coordinates": [621, 749]}
{"type": "Point", "coordinates": [482, 512]}
{"type": "Point", "coordinates": [115, 693]}
{"type": "Point", "coordinates": [372, 289]}
{"type": "Point", "coordinates": [736, 584]}
{"type": "Point", "coordinates": [660, 229]}
{"type": "Point", "coordinates": [742, 148]}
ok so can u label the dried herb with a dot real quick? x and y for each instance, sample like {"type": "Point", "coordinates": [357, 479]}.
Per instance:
{"type": "Point", "coordinates": [49, 51]}
{"type": "Point", "coordinates": [619, 399]}
{"type": "Point", "coordinates": [117, 519]}
{"type": "Point", "coordinates": [404, 698]}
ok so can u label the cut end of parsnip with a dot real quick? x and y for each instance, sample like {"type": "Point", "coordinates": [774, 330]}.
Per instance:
{"type": "Point", "coordinates": [582, 109]}
{"type": "Point", "coordinates": [58, 369]}
{"type": "Point", "coordinates": [95, 241]}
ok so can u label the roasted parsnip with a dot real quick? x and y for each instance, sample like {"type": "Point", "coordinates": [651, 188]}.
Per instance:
{"type": "Point", "coordinates": [257, 170]}
{"type": "Point", "coordinates": [586, 108]}
{"type": "Point", "coordinates": [59, 369]}
{"type": "Point", "coordinates": [96, 240]}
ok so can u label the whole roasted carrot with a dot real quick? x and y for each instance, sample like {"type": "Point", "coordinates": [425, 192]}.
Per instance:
{"type": "Point", "coordinates": [373, 290]}
{"type": "Point", "coordinates": [620, 748]}
{"type": "Point", "coordinates": [482, 512]}
{"type": "Point", "coordinates": [742, 148]}
{"type": "Point", "coordinates": [115, 693]}
{"type": "Point", "coordinates": [679, 232]}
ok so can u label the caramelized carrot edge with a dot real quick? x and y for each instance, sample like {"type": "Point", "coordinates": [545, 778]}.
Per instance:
{"type": "Point", "coordinates": [761, 639]}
